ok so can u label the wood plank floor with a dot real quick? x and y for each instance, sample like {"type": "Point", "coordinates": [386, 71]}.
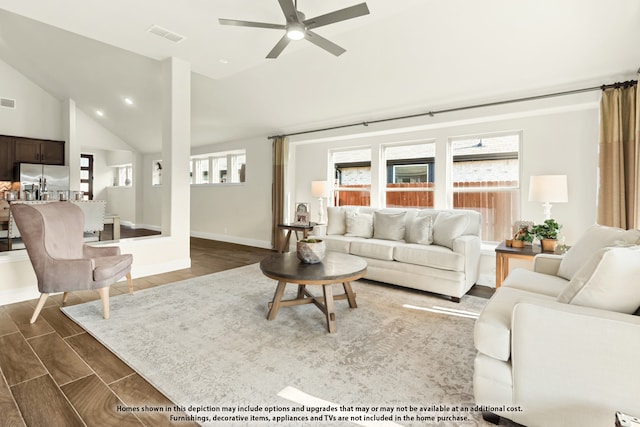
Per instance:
{"type": "Point", "coordinates": [55, 374]}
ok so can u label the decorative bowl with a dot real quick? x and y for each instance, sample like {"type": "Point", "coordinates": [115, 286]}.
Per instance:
{"type": "Point", "coordinates": [310, 251]}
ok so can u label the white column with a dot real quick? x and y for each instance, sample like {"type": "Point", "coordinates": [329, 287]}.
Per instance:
{"type": "Point", "coordinates": [176, 149]}
{"type": "Point", "coordinates": [72, 145]}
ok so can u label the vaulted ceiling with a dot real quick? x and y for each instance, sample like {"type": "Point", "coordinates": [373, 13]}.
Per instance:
{"type": "Point", "coordinates": [406, 56]}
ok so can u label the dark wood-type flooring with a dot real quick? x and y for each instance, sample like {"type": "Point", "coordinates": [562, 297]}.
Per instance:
{"type": "Point", "coordinates": [53, 373]}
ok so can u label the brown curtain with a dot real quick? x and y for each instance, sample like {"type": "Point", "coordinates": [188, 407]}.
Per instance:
{"type": "Point", "coordinates": [618, 157]}
{"type": "Point", "coordinates": [279, 158]}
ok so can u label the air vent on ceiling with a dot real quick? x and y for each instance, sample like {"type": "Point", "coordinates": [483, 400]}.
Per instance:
{"type": "Point", "coordinates": [7, 103]}
{"type": "Point", "coordinates": [164, 33]}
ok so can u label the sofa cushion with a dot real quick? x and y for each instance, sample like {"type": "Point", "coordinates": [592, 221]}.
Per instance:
{"type": "Point", "coordinates": [596, 237]}
{"type": "Point", "coordinates": [359, 224]}
{"type": "Point", "coordinates": [447, 227]}
{"type": "Point", "coordinates": [338, 243]}
{"type": "Point", "coordinates": [539, 283]}
{"type": "Point", "coordinates": [492, 332]}
{"type": "Point", "coordinates": [429, 256]}
{"type": "Point", "coordinates": [389, 226]}
{"type": "Point", "coordinates": [374, 248]}
{"type": "Point", "coordinates": [421, 229]}
{"type": "Point", "coordinates": [608, 281]}
{"type": "Point", "coordinates": [336, 220]}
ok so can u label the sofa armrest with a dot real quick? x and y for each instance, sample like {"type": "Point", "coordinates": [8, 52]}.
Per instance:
{"type": "Point", "coordinates": [469, 246]}
{"type": "Point", "coordinates": [572, 363]}
{"type": "Point", "coordinates": [66, 275]}
{"type": "Point", "coordinates": [547, 263]}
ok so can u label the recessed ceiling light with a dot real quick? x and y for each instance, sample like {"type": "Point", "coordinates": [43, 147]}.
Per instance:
{"type": "Point", "coordinates": [128, 101]}
{"type": "Point", "coordinates": [224, 61]}
{"type": "Point", "coordinates": [100, 113]}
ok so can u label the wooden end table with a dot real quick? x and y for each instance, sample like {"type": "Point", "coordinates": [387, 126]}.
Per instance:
{"type": "Point", "coordinates": [334, 268]}
{"type": "Point", "coordinates": [284, 246]}
{"type": "Point", "coordinates": [504, 253]}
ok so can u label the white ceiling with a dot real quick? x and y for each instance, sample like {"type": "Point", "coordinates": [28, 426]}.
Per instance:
{"type": "Point", "coordinates": [407, 56]}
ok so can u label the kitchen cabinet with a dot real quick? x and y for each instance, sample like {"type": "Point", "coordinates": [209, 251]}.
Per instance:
{"type": "Point", "coordinates": [46, 152]}
{"type": "Point", "coordinates": [6, 158]}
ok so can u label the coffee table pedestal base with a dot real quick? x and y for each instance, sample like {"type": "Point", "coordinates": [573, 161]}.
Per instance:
{"type": "Point", "coordinates": [324, 303]}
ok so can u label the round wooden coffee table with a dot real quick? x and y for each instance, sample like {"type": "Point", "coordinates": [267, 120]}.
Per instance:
{"type": "Point", "coordinates": [334, 268]}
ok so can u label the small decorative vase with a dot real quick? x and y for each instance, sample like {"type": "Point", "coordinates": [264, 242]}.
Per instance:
{"type": "Point", "coordinates": [517, 243]}
{"type": "Point", "coordinates": [548, 245]}
{"type": "Point", "coordinates": [310, 252]}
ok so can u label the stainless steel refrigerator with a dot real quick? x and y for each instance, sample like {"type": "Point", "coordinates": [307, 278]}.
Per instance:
{"type": "Point", "coordinates": [41, 181]}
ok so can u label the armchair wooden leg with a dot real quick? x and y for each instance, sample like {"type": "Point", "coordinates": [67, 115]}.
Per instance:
{"type": "Point", "coordinates": [65, 297]}
{"type": "Point", "coordinates": [36, 312]}
{"type": "Point", "coordinates": [104, 296]}
{"type": "Point", "coordinates": [130, 283]}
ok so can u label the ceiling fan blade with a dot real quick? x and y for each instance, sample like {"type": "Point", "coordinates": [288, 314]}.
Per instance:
{"type": "Point", "coordinates": [279, 47]}
{"type": "Point", "coordinates": [337, 16]}
{"type": "Point", "coordinates": [250, 24]}
{"type": "Point", "coordinates": [289, 10]}
{"type": "Point", "coordinates": [324, 43]}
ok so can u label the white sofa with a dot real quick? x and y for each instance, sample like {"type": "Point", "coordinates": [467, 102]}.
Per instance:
{"type": "Point", "coordinates": [560, 345]}
{"type": "Point", "coordinates": [426, 249]}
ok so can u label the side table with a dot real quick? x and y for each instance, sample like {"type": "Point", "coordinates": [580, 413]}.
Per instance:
{"type": "Point", "coordinates": [284, 245]}
{"type": "Point", "coordinates": [504, 253]}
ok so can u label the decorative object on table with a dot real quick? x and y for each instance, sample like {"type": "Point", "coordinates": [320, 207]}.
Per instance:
{"type": "Point", "coordinates": [310, 251]}
{"type": "Point", "coordinates": [302, 214]}
{"type": "Point", "coordinates": [522, 236]}
{"type": "Point", "coordinates": [320, 189]}
{"type": "Point", "coordinates": [547, 232]}
{"type": "Point", "coordinates": [548, 189]}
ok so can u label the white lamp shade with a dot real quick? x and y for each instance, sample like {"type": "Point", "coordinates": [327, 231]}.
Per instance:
{"type": "Point", "coordinates": [319, 188]}
{"type": "Point", "coordinates": [548, 188]}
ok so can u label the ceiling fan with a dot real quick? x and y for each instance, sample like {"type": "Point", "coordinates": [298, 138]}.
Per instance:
{"type": "Point", "coordinates": [298, 27]}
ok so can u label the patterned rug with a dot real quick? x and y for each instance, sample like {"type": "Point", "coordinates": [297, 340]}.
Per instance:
{"type": "Point", "coordinates": [401, 358]}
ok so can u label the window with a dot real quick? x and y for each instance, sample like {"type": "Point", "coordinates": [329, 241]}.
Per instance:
{"type": "Point", "coordinates": [485, 177]}
{"type": "Point", "coordinates": [219, 168]}
{"type": "Point", "coordinates": [410, 175]}
{"type": "Point", "coordinates": [352, 175]}
{"type": "Point", "coordinates": [122, 176]}
{"type": "Point", "coordinates": [86, 176]}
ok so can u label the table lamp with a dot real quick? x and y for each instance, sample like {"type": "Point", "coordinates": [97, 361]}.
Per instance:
{"type": "Point", "coordinates": [548, 189]}
{"type": "Point", "coordinates": [320, 189]}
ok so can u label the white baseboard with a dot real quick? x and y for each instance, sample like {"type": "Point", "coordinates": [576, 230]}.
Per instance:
{"type": "Point", "coordinates": [232, 239]}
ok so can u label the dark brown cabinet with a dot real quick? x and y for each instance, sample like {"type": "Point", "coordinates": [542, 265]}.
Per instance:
{"type": "Point", "coordinates": [27, 150]}
{"type": "Point", "coordinates": [6, 158]}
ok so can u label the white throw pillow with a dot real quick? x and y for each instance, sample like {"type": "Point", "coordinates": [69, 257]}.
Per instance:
{"type": "Point", "coordinates": [421, 230]}
{"type": "Point", "coordinates": [389, 226]}
{"type": "Point", "coordinates": [448, 227]}
{"type": "Point", "coordinates": [596, 237]}
{"type": "Point", "coordinates": [359, 224]}
{"type": "Point", "coordinates": [336, 220]}
{"type": "Point", "coordinates": [608, 281]}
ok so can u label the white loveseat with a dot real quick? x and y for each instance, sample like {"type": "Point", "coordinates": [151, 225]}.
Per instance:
{"type": "Point", "coordinates": [560, 345]}
{"type": "Point", "coordinates": [426, 249]}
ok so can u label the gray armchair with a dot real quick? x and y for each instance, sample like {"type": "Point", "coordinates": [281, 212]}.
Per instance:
{"type": "Point", "coordinates": [53, 236]}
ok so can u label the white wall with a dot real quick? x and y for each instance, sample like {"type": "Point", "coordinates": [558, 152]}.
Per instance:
{"type": "Point", "coordinates": [560, 136]}
{"type": "Point", "coordinates": [236, 213]}
{"type": "Point", "coordinates": [37, 113]}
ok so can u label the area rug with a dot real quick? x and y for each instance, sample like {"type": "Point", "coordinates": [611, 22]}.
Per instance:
{"type": "Point", "coordinates": [401, 358]}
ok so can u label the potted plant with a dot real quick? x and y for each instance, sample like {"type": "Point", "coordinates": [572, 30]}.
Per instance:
{"type": "Point", "coordinates": [547, 232]}
{"type": "Point", "coordinates": [521, 237]}
{"type": "Point", "coordinates": [310, 251]}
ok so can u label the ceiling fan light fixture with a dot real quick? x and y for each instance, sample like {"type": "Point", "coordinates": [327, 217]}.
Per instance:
{"type": "Point", "coordinates": [295, 31]}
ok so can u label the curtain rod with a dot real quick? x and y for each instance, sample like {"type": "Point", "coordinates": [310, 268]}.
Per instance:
{"type": "Point", "coordinates": [468, 107]}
